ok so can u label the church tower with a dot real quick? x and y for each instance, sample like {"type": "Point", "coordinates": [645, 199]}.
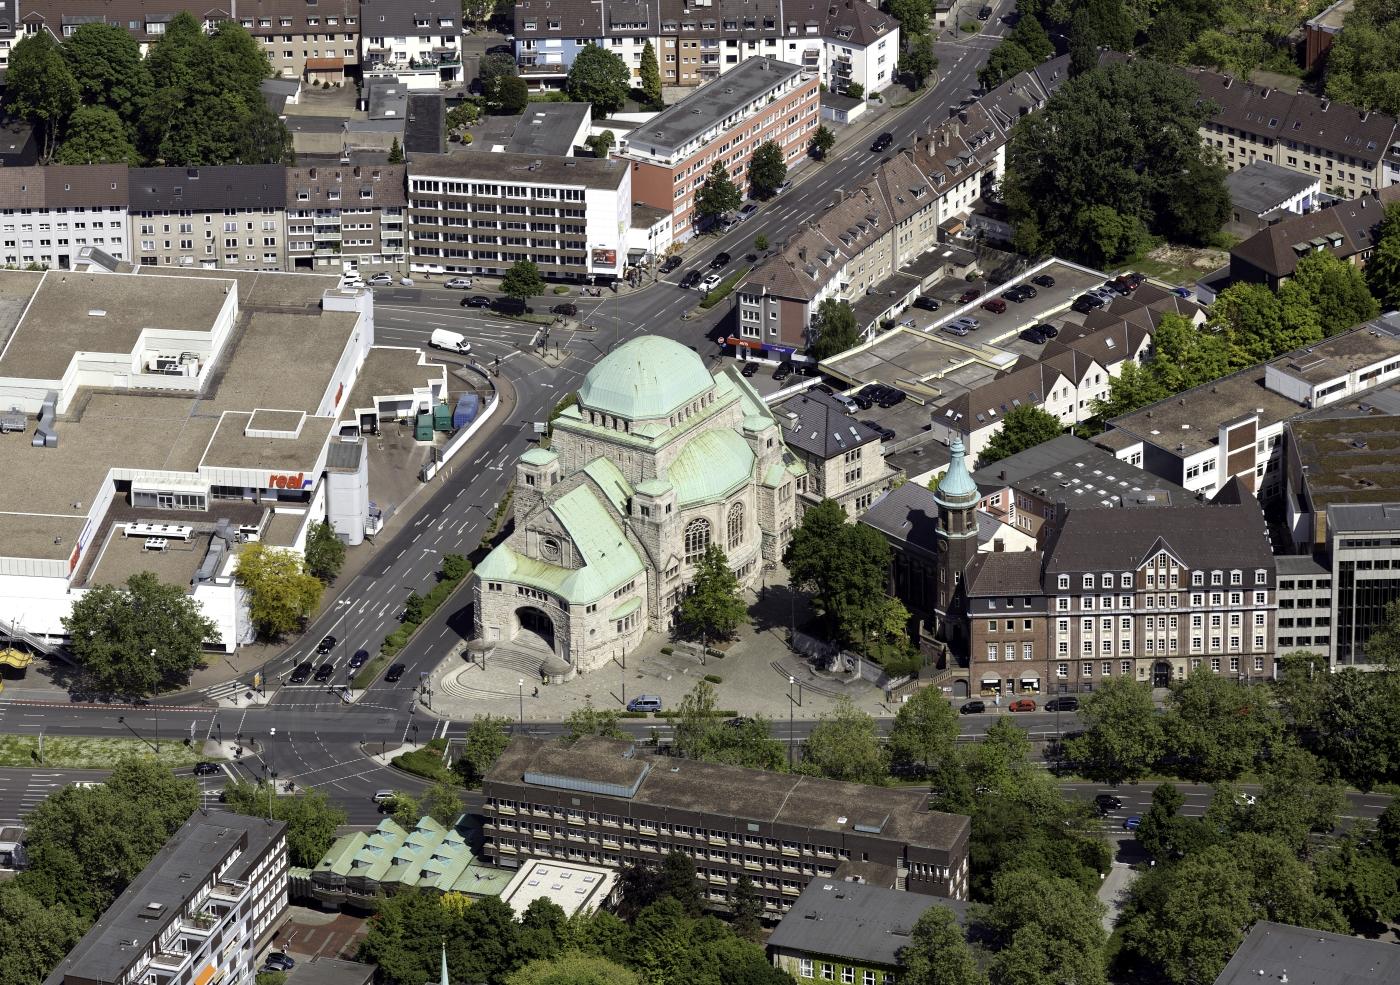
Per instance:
{"type": "Point", "coordinates": [957, 499]}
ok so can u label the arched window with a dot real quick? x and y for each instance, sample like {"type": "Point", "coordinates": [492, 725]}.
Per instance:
{"type": "Point", "coordinates": [697, 538]}
{"type": "Point", "coordinates": [736, 525]}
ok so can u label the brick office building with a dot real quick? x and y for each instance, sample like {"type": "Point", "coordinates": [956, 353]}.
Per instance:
{"type": "Point", "coordinates": [606, 802]}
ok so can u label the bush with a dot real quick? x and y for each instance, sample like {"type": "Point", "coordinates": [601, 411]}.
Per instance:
{"type": "Point", "coordinates": [427, 763]}
{"type": "Point", "coordinates": [667, 650]}
{"type": "Point", "coordinates": [561, 289]}
{"type": "Point", "coordinates": [970, 27]}
{"type": "Point", "coordinates": [714, 678]}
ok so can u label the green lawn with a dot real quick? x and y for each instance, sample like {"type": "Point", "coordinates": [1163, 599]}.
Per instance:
{"type": "Point", "coordinates": [724, 288]}
{"type": "Point", "coordinates": [88, 753]}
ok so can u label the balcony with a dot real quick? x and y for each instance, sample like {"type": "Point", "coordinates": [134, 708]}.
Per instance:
{"type": "Point", "coordinates": [199, 924]}
{"type": "Point", "coordinates": [230, 889]}
{"type": "Point", "coordinates": [171, 961]}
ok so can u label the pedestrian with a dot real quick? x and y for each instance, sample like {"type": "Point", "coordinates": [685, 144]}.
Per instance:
{"type": "Point", "coordinates": [536, 692]}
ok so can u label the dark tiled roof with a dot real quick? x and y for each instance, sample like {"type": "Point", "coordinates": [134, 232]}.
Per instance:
{"type": "Point", "coordinates": [997, 573]}
{"type": "Point", "coordinates": [209, 189]}
{"type": "Point", "coordinates": [1348, 228]}
{"type": "Point", "coordinates": [424, 132]}
{"type": "Point", "coordinates": [1211, 536]}
{"type": "Point", "coordinates": [384, 184]}
{"type": "Point", "coordinates": [866, 924]}
{"type": "Point", "coordinates": [822, 428]}
{"type": "Point", "coordinates": [907, 514]}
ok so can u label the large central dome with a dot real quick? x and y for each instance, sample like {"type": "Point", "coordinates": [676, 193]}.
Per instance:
{"type": "Point", "coordinates": [646, 378]}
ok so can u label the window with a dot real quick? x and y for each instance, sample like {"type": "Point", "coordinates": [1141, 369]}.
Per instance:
{"type": "Point", "coordinates": [991, 651]}
{"type": "Point", "coordinates": [1126, 581]}
{"type": "Point", "coordinates": [1027, 651]}
{"type": "Point", "coordinates": [736, 525]}
{"type": "Point", "coordinates": [828, 972]}
{"type": "Point", "coordinates": [804, 967]}
{"type": "Point", "coordinates": [1062, 671]}
{"type": "Point", "coordinates": [848, 975]}
{"type": "Point", "coordinates": [1126, 666]}
{"type": "Point", "coordinates": [869, 978]}
{"type": "Point", "coordinates": [1088, 581]}
{"type": "Point", "coordinates": [697, 538]}
{"type": "Point", "coordinates": [1064, 582]}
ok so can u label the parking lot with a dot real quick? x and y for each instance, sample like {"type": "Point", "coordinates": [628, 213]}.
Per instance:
{"type": "Point", "coordinates": [1001, 329]}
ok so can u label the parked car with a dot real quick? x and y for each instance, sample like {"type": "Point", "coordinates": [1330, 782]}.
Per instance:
{"type": "Point", "coordinates": [1117, 287]}
{"type": "Point", "coordinates": [476, 301]}
{"type": "Point", "coordinates": [985, 13]}
{"type": "Point", "coordinates": [1106, 803]}
{"type": "Point", "coordinates": [207, 769]}
{"type": "Point", "coordinates": [395, 672]}
{"type": "Point", "coordinates": [691, 280]}
{"type": "Point", "coordinates": [670, 264]}
{"type": "Point", "coordinates": [1044, 280]}
{"type": "Point", "coordinates": [848, 404]}
{"type": "Point", "coordinates": [750, 367]}
{"type": "Point", "coordinates": [746, 212]}
{"type": "Point", "coordinates": [995, 305]}
{"type": "Point", "coordinates": [324, 672]}
{"type": "Point", "coordinates": [1132, 822]}
{"type": "Point", "coordinates": [882, 142]}
{"type": "Point", "coordinates": [927, 303]}
{"type": "Point", "coordinates": [1083, 305]}
{"type": "Point", "coordinates": [1104, 294]}
{"type": "Point", "coordinates": [783, 371]}
{"type": "Point", "coordinates": [971, 294]}
{"type": "Point", "coordinates": [1066, 702]}
{"type": "Point", "coordinates": [458, 284]}
{"type": "Point", "coordinates": [359, 659]}
{"type": "Point", "coordinates": [974, 707]}
{"type": "Point", "coordinates": [1091, 299]}
{"type": "Point", "coordinates": [279, 961]}
{"type": "Point", "coordinates": [968, 322]}
{"type": "Point", "coordinates": [1022, 704]}
{"type": "Point", "coordinates": [1047, 330]}
{"type": "Point", "coordinates": [1135, 278]}
{"type": "Point", "coordinates": [1182, 292]}
{"type": "Point", "coordinates": [568, 309]}
{"type": "Point", "coordinates": [380, 280]}
{"type": "Point", "coordinates": [300, 674]}
{"type": "Point", "coordinates": [954, 328]}
{"type": "Point", "coordinates": [644, 702]}
{"type": "Point", "coordinates": [863, 400]}
{"type": "Point", "coordinates": [1020, 293]}
{"type": "Point", "coordinates": [720, 260]}
{"type": "Point", "coordinates": [710, 283]}
{"type": "Point", "coordinates": [886, 434]}
{"type": "Point", "coordinates": [1033, 336]}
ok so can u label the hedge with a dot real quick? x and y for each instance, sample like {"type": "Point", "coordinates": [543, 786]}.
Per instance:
{"type": "Point", "coordinates": [427, 763]}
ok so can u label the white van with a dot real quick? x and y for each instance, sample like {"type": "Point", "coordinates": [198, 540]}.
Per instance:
{"type": "Point", "coordinates": [451, 341]}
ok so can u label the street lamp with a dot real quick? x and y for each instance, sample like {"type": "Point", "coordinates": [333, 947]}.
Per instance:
{"type": "Point", "coordinates": [155, 711]}
{"type": "Point", "coordinates": [271, 773]}
{"type": "Point", "coordinates": [791, 681]}
{"type": "Point", "coordinates": [520, 683]}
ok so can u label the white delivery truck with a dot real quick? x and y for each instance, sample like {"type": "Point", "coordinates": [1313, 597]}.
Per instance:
{"type": "Point", "coordinates": [451, 341]}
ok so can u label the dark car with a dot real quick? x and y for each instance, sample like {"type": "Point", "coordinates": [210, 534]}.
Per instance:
{"type": "Point", "coordinates": [1118, 287]}
{"type": "Point", "coordinates": [509, 306]}
{"type": "Point", "coordinates": [568, 309]}
{"type": "Point", "coordinates": [670, 264]}
{"type": "Point", "coordinates": [783, 371]}
{"type": "Point", "coordinates": [885, 433]}
{"type": "Point", "coordinates": [359, 659]}
{"type": "Point", "coordinates": [207, 769]}
{"type": "Point", "coordinates": [476, 301]}
{"type": "Point", "coordinates": [1047, 330]}
{"type": "Point", "coordinates": [882, 142]}
{"type": "Point", "coordinates": [395, 672]}
{"type": "Point", "coordinates": [892, 396]}
{"type": "Point", "coordinates": [971, 294]}
{"type": "Point", "coordinates": [1016, 294]}
{"type": "Point", "coordinates": [1065, 703]}
{"type": "Point", "coordinates": [1032, 336]}
{"type": "Point", "coordinates": [691, 279]}
{"type": "Point", "coordinates": [1044, 280]}
{"type": "Point", "coordinates": [750, 367]}
{"type": "Point", "coordinates": [300, 674]}
{"type": "Point", "coordinates": [984, 14]}
{"type": "Point", "coordinates": [1027, 291]}
{"type": "Point", "coordinates": [995, 305]}
{"type": "Point", "coordinates": [863, 401]}
{"type": "Point", "coordinates": [927, 303]}
{"type": "Point", "coordinates": [1106, 803]}
{"type": "Point", "coordinates": [324, 672]}
{"type": "Point", "coordinates": [1092, 300]}
{"type": "Point", "coordinates": [279, 961]}
{"type": "Point", "coordinates": [1132, 823]}
{"type": "Point", "coordinates": [326, 645]}
{"type": "Point", "coordinates": [720, 260]}
{"type": "Point", "coordinates": [973, 707]}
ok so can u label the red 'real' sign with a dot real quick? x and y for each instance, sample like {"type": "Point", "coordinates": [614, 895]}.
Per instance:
{"type": "Point", "coordinates": [298, 481]}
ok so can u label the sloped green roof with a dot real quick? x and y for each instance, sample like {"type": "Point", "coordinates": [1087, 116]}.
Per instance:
{"type": "Point", "coordinates": [653, 487]}
{"type": "Point", "coordinates": [626, 608]}
{"type": "Point", "coordinates": [711, 465]}
{"type": "Point", "coordinates": [609, 561]}
{"type": "Point", "coordinates": [647, 377]}
{"type": "Point", "coordinates": [611, 480]}
{"type": "Point", "coordinates": [539, 456]}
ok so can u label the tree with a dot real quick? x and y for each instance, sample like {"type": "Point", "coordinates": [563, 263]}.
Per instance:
{"type": "Point", "coordinates": [592, 721]}
{"type": "Point", "coordinates": [911, 14]}
{"type": "Point", "coordinates": [822, 141]}
{"type": "Point", "coordinates": [40, 87]}
{"type": "Point", "coordinates": [506, 95]}
{"type": "Point", "coordinates": [767, 170]}
{"type": "Point", "coordinates": [33, 937]}
{"type": "Point", "coordinates": [1218, 726]}
{"type": "Point", "coordinates": [395, 152]}
{"type": "Point", "coordinates": [1006, 60]}
{"type": "Point", "coordinates": [138, 638]}
{"type": "Point", "coordinates": [1361, 881]}
{"type": "Point", "coordinates": [747, 910]}
{"type": "Point", "coordinates": [1030, 34]}
{"type": "Point", "coordinates": [833, 329]}
{"type": "Point", "coordinates": [96, 136]}
{"type": "Point", "coordinates": [522, 281]}
{"type": "Point", "coordinates": [311, 818]}
{"type": "Point", "coordinates": [680, 881]}
{"type": "Point", "coordinates": [600, 77]}
{"type": "Point", "coordinates": [718, 194]}
{"type": "Point", "coordinates": [846, 566]}
{"type": "Point", "coordinates": [1135, 386]}
{"type": "Point", "coordinates": [455, 567]}
{"type": "Point", "coordinates": [325, 552]}
{"type": "Point", "coordinates": [938, 953]}
{"type": "Point", "coordinates": [925, 730]}
{"type": "Point", "coordinates": [601, 143]}
{"type": "Point", "coordinates": [1022, 427]}
{"type": "Point", "coordinates": [487, 737]}
{"type": "Point", "coordinates": [1363, 65]}
{"type": "Point", "coordinates": [917, 62]}
{"type": "Point", "coordinates": [1106, 160]}
{"type": "Point", "coordinates": [1338, 291]}
{"type": "Point", "coordinates": [1183, 356]}
{"type": "Point", "coordinates": [651, 76]}
{"type": "Point", "coordinates": [407, 811]}
{"type": "Point", "coordinates": [1122, 732]}
{"type": "Point", "coordinates": [415, 609]}
{"type": "Point", "coordinates": [573, 968]}
{"type": "Point", "coordinates": [713, 607]}
{"type": "Point", "coordinates": [493, 65]}
{"type": "Point", "coordinates": [1047, 925]}
{"type": "Point", "coordinates": [760, 242]}
{"type": "Point", "coordinates": [1383, 267]}
{"type": "Point", "coordinates": [281, 594]}
{"type": "Point", "coordinates": [698, 732]}
{"type": "Point", "coordinates": [443, 803]}
{"type": "Point", "coordinates": [107, 66]}
{"type": "Point", "coordinates": [855, 90]}
{"type": "Point", "coordinates": [844, 744]}
{"type": "Point", "coordinates": [1296, 799]}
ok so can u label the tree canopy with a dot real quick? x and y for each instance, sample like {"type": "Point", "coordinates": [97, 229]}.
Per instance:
{"type": "Point", "coordinates": [718, 194]}
{"type": "Point", "coordinates": [1022, 427]}
{"type": "Point", "coordinates": [833, 329]}
{"type": "Point", "coordinates": [651, 76]}
{"type": "Point", "coordinates": [600, 77]}
{"type": "Point", "coordinates": [767, 169]}
{"type": "Point", "coordinates": [311, 817]}
{"type": "Point", "coordinates": [844, 744]}
{"type": "Point", "coordinates": [281, 593]}
{"type": "Point", "coordinates": [712, 607]}
{"type": "Point", "coordinates": [325, 552]}
{"type": "Point", "coordinates": [522, 281]}
{"type": "Point", "coordinates": [1363, 64]}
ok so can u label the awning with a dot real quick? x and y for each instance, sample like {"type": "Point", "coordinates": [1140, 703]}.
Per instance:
{"type": "Point", "coordinates": [753, 344]}
{"type": "Point", "coordinates": [782, 350]}
{"type": "Point", "coordinates": [990, 679]}
{"type": "Point", "coordinates": [1030, 675]}
{"type": "Point", "coordinates": [325, 64]}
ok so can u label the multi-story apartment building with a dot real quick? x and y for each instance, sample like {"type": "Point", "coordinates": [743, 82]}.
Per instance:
{"type": "Point", "coordinates": [481, 212]}
{"type": "Point", "coordinates": [844, 458]}
{"type": "Point", "coordinates": [671, 154]}
{"type": "Point", "coordinates": [200, 911]}
{"type": "Point", "coordinates": [1303, 619]}
{"type": "Point", "coordinates": [419, 44]}
{"type": "Point", "coordinates": [230, 218]}
{"type": "Point", "coordinates": [890, 218]}
{"type": "Point", "coordinates": [48, 214]}
{"type": "Point", "coordinates": [606, 802]}
{"type": "Point", "coordinates": [843, 42]}
{"type": "Point", "coordinates": [9, 29]}
{"type": "Point", "coordinates": [1352, 151]}
{"type": "Point", "coordinates": [342, 213]}
{"type": "Point", "coordinates": [1347, 230]}
{"type": "Point", "coordinates": [1147, 594]}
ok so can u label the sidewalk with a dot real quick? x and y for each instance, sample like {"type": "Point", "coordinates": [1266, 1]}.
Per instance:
{"type": "Point", "coordinates": [753, 674]}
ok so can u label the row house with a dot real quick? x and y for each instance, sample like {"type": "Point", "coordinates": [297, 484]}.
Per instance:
{"type": "Point", "coordinates": [226, 218]}
{"type": "Point", "coordinates": [1347, 230]}
{"type": "Point", "coordinates": [842, 43]}
{"type": "Point", "coordinates": [671, 154]}
{"type": "Point", "coordinates": [48, 214]}
{"type": "Point", "coordinates": [341, 213]}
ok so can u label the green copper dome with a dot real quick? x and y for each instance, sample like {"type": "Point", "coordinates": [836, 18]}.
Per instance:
{"type": "Point", "coordinates": [956, 488]}
{"type": "Point", "coordinates": [646, 378]}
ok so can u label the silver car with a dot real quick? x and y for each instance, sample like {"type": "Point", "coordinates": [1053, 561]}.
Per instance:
{"type": "Point", "coordinates": [459, 284]}
{"type": "Point", "coordinates": [381, 280]}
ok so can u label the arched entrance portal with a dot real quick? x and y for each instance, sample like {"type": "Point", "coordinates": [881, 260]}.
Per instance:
{"type": "Point", "coordinates": [534, 628]}
{"type": "Point", "coordinates": [1161, 674]}
{"type": "Point", "coordinates": [960, 688]}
